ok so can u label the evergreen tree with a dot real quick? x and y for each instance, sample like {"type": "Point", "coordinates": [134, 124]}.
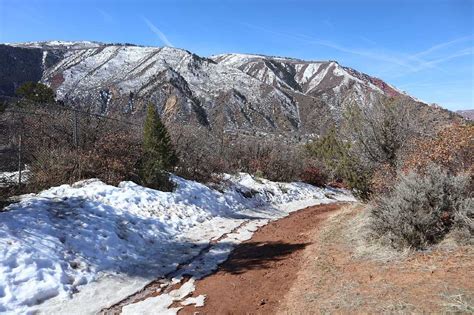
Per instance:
{"type": "Point", "coordinates": [337, 157]}
{"type": "Point", "coordinates": [36, 92]}
{"type": "Point", "coordinates": [158, 154]}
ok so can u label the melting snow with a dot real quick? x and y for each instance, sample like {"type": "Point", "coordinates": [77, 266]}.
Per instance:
{"type": "Point", "coordinates": [11, 178]}
{"type": "Point", "coordinates": [198, 301]}
{"type": "Point", "coordinates": [83, 247]}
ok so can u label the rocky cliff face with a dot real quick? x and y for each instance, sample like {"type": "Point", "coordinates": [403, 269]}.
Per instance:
{"type": "Point", "coordinates": [18, 65]}
{"type": "Point", "coordinates": [229, 92]}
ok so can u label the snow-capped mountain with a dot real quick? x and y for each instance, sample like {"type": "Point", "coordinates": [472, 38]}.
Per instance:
{"type": "Point", "coordinates": [229, 91]}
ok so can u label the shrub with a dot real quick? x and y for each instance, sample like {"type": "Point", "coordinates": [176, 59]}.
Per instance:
{"type": "Point", "coordinates": [422, 209]}
{"type": "Point", "coordinates": [341, 163]}
{"type": "Point", "coordinates": [55, 167]}
{"type": "Point", "coordinates": [379, 132]}
{"type": "Point", "coordinates": [113, 158]}
{"type": "Point", "coordinates": [383, 179]}
{"type": "Point", "coordinates": [105, 148]}
{"type": "Point", "coordinates": [464, 222]}
{"type": "Point", "coordinates": [198, 151]}
{"type": "Point", "coordinates": [314, 175]}
{"type": "Point", "coordinates": [203, 152]}
{"type": "Point", "coordinates": [452, 148]}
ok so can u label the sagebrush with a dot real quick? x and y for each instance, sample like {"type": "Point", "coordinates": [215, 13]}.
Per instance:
{"type": "Point", "coordinates": [423, 208]}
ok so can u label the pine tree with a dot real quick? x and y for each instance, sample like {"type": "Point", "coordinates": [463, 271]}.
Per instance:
{"type": "Point", "coordinates": [158, 154]}
{"type": "Point", "coordinates": [36, 92]}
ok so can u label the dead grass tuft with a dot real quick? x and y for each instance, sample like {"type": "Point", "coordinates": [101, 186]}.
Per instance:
{"type": "Point", "coordinates": [458, 302]}
{"type": "Point", "coordinates": [353, 224]}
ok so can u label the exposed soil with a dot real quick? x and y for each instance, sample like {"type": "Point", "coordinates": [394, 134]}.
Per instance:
{"type": "Point", "coordinates": [261, 271]}
{"type": "Point", "coordinates": [305, 264]}
{"type": "Point", "coordinates": [333, 280]}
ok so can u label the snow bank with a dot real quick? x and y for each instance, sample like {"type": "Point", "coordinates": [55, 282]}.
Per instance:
{"type": "Point", "coordinates": [60, 245]}
{"type": "Point", "coordinates": [11, 178]}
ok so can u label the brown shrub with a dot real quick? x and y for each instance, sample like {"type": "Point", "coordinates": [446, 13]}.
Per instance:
{"type": "Point", "coordinates": [202, 153]}
{"type": "Point", "coordinates": [105, 148]}
{"type": "Point", "coordinates": [452, 148]}
{"type": "Point", "coordinates": [113, 158]}
{"type": "Point", "coordinates": [383, 178]}
{"type": "Point", "coordinates": [55, 167]}
{"type": "Point", "coordinates": [314, 175]}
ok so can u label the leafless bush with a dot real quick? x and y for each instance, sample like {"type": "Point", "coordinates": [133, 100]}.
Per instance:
{"type": "Point", "coordinates": [203, 152]}
{"type": "Point", "coordinates": [114, 157]}
{"type": "Point", "coordinates": [381, 131]}
{"type": "Point", "coordinates": [314, 175]}
{"type": "Point", "coordinates": [199, 152]}
{"type": "Point", "coordinates": [422, 209]}
{"type": "Point", "coordinates": [451, 149]}
{"type": "Point", "coordinates": [62, 145]}
{"type": "Point", "coordinates": [384, 177]}
{"type": "Point", "coordinates": [367, 150]}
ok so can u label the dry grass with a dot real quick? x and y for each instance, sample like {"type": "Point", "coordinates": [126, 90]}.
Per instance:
{"type": "Point", "coordinates": [348, 271]}
{"type": "Point", "coordinates": [459, 302]}
{"type": "Point", "coordinates": [353, 224]}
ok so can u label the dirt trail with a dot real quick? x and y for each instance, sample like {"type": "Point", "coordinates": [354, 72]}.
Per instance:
{"type": "Point", "coordinates": [336, 278]}
{"type": "Point", "coordinates": [260, 272]}
{"type": "Point", "coordinates": [309, 263]}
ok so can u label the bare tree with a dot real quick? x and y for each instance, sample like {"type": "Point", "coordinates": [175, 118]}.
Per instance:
{"type": "Point", "coordinates": [380, 131]}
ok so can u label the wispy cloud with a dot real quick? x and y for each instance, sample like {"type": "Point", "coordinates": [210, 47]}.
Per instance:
{"type": "Point", "coordinates": [399, 64]}
{"type": "Point", "coordinates": [371, 54]}
{"type": "Point", "coordinates": [443, 45]}
{"type": "Point", "coordinates": [377, 55]}
{"type": "Point", "coordinates": [368, 40]}
{"type": "Point", "coordinates": [158, 32]}
{"type": "Point", "coordinates": [460, 53]}
{"type": "Point", "coordinates": [106, 16]}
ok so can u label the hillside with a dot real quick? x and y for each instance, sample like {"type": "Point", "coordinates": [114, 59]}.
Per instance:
{"type": "Point", "coordinates": [468, 113]}
{"type": "Point", "coordinates": [223, 92]}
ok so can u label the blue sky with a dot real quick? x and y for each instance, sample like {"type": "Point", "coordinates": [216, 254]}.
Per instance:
{"type": "Point", "coordinates": [424, 47]}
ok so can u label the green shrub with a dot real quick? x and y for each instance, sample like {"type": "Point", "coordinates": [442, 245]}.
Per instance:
{"type": "Point", "coordinates": [36, 92]}
{"type": "Point", "coordinates": [341, 164]}
{"type": "Point", "coordinates": [421, 209]}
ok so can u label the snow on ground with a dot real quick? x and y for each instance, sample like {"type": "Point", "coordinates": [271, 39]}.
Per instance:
{"type": "Point", "coordinates": [84, 247]}
{"type": "Point", "coordinates": [11, 178]}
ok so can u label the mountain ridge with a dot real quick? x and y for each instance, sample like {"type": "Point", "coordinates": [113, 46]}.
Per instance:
{"type": "Point", "coordinates": [233, 91]}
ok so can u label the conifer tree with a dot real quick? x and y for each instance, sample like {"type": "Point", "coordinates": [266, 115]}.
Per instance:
{"type": "Point", "coordinates": [337, 157]}
{"type": "Point", "coordinates": [36, 92]}
{"type": "Point", "coordinates": [158, 154]}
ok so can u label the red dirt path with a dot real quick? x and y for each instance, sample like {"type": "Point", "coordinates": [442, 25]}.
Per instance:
{"type": "Point", "coordinates": [260, 272]}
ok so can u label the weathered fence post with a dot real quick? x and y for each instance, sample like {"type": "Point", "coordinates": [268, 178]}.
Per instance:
{"type": "Point", "coordinates": [19, 160]}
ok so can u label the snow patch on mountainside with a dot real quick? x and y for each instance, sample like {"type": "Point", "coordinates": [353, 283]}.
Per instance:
{"type": "Point", "coordinates": [130, 68]}
{"type": "Point", "coordinates": [58, 44]}
{"type": "Point", "coordinates": [308, 74]}
{"type": "Point", "coordinates": [246, 92]}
